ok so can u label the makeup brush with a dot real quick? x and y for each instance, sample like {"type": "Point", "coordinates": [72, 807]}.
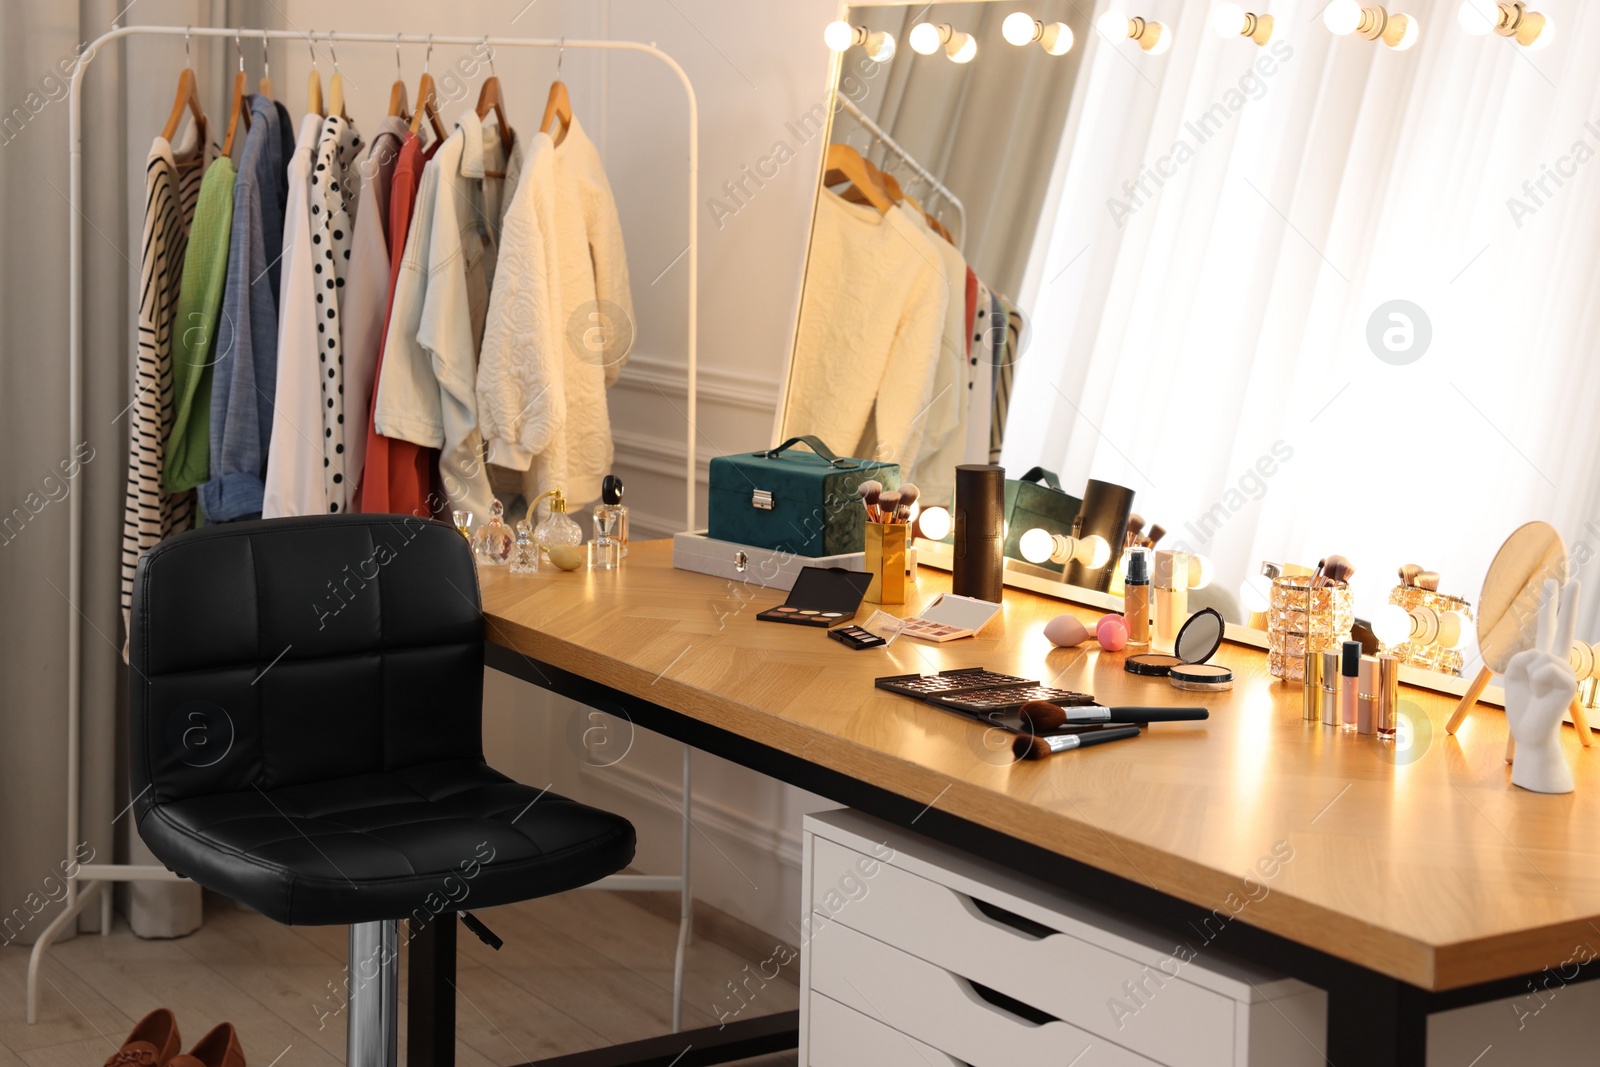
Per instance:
{"type": "Point", "coordinates": [869, 492]}
{"type": "Point", "coordinates": [1041, 717]}
{"type": "Point", "coordinates": [908, 496]}
{"type": "Point", "coordinates": [1135, 528]}
{"type": "Point", "coordinates": [1157, 532]}
{"type": "Point", "coordinates": [1029, 747]}
{"type": "Point", "coordinates": [888, 504]}
{"type": "Point", "coordinates": [1337, 569]}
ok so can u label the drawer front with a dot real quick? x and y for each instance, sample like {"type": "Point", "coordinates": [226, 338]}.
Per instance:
{"type": "Point", "coordinates": [841, 1037]}
{"type": "Point", "coordinates": [1120, 999]}
{"type": "Point", "coordinates": [946, 1011]}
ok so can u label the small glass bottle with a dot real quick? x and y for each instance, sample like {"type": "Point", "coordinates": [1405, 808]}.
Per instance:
{"type": "Point", "coordinates": [494, 542]}
{"type": "Point", "coordinates": [525, 558]}
{"type": "Point", "coordinates": [463, 521]}
{"type": "Point", "coordinates": [610, 526]}
{"type": "Point", "coordinates": [558, 537]}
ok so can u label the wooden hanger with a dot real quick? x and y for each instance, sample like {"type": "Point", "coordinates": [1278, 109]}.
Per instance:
{"type": "Point", "coordinates": [845, 164]}
{"type": "Point", "coordinates": [239, 106]}
{"type": "Point", "coordinates": [427, 99]}
{"type": "Point", "coordinates": [314, 82]}
{"type": "Point", "coordinates": [335, 84]}
{"type": "Point", "coordinates": [265, 84]}
{"type": "Point", "coordinates": [491, 99]}
{"type": "Point", "coordinates": [188, 99]}
{"type": "Point", "coordinates": [399, 107]}
{"type": "Point", "coordinates": [558, 106]}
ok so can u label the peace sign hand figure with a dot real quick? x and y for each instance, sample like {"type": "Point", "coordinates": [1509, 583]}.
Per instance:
{"type": "Point", "coordinates": [1539, 686]}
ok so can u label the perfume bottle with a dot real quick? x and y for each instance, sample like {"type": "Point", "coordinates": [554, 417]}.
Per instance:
{"type": "Point", "coordinates": [493, 543]}
{"type": "Point", "coordinates": [525, 557]}
{"type": "Point", "coordinates": [610, 526]}
{"type": "Point", "coordinates": [463, 521]}
{"type": "Point", "coordinates": [558, 537]}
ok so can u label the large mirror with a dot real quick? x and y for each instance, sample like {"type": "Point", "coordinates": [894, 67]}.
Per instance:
{"type": "Point", "coordinates": [1304, 288]}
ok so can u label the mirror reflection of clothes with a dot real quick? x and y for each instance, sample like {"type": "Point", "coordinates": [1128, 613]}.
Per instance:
{"type": "Point", "coordinates": [871, 329]}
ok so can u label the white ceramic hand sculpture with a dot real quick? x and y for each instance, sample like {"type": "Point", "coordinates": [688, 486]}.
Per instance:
{"type": "Point", "coordinates": [1539, 686]}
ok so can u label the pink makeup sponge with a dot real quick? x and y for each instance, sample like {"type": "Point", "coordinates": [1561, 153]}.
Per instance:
{"type": "Point", "coordinates": [1065, 631]}
{"type": "Point", "coordinates": [1112, 632]}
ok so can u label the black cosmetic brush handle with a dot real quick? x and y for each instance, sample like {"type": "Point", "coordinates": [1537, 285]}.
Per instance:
{"type": "Point", "coordinates": [1159, 714]}
{"type": "Point", "coordinates": [1111, 733]}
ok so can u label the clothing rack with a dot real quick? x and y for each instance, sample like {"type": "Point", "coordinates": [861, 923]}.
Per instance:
{"type": "Point", "coordinates": [100, 876]}
{"type": "Point", "coordinates": [922, 172]}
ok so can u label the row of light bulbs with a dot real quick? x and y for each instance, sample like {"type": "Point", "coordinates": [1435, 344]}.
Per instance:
{"type": "Point", "coordinates": [1507, 18]}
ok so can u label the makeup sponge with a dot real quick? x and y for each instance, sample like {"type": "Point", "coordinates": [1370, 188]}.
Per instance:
{"type": "Point", "coordinates": [1112, 632]}
{"type": "Point", "coordinates": [1066, 630]}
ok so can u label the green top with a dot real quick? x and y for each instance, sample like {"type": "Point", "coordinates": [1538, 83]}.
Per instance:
{"type": "Point", "coordinates": [205, 268]}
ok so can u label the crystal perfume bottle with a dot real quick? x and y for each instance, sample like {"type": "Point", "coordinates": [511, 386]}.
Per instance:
{"type": "Point", "coordinates": [493, 543]}
{"type": "Point", "coordinates": [610, 526]}
{"type": "Point", "coordinates": [525, 557]}
{"type": "Point", "coordinates": [558, 537]}
{"type": "Point", "coordinates": [463, 521]}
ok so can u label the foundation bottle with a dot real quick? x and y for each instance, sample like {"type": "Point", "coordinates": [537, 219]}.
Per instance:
{"type": "Point", "coordinates": [1136, 599]}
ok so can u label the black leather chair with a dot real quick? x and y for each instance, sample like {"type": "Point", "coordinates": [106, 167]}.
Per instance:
{"type": "Point", "coordinates": [306, 699]}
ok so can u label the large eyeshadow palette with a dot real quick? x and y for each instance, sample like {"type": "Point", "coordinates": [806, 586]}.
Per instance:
{"type": "Point", "coordinates": [964, 679]}
{"type": "Point", "coordinates": [1009, 698]}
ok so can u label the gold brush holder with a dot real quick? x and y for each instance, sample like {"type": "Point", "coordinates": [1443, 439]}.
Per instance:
{"type": "Point", "coordinates": [886, 561]}
{"type": "Point", "coordinates": [1302, 618]}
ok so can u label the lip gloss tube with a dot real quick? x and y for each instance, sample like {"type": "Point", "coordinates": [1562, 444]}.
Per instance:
{"type": "Point", "coordinates": [1349, 680]}
{"type": "Point", "coordinates": [1367, 708]}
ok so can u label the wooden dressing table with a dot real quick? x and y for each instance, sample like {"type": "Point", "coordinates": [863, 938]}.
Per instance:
{"type": "Point", "coordinates": [1415, 887]}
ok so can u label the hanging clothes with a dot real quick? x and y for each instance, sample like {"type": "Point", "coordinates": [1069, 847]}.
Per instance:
{"type": "Point", "coordinates": [1005, 367]}
{"type": "Point", "coordinates": [945, 416]}
{"type": "Point", "coordinates": [366, 291]}
{"type": "Point", "coordinates": [980, 389]}
{"type": "Point", "coordinates": [397, 475]}
{"type": "Point", "coordinates": [205, 269]}
{"type": "Point", "coordinates": [333, 178]}
{"type": "Point", "coordinates": [172, 180]}
{"type": "Point", "coordinates": [294, 483]}
{"type": "Point", "coordinates": [871, 326]}
{"type": "Point", "coordinates": [427, 388]}
{"type": "Point", "coordinates": [247, 345]}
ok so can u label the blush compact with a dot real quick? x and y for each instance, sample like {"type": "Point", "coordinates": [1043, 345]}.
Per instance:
{"type": "Point", "coordinates": [1197, 642]}
{"type": "Point", "coordinates": [821, 596]}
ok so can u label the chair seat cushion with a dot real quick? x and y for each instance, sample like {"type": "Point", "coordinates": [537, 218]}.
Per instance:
{"type": "Point", "coordinates": [412, 843]}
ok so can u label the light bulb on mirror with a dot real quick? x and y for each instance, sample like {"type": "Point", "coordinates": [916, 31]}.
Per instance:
{"type": "Point", "coordinates": [1156, 38]}
{"type": "Point", "coordinates": [880, 47]}
{"type": "Point", "coordinates": [925, 38]}
{"type": "Point", "coordinates": [1536, 37]}
{"type": "Point", "coordinates": [1042, 546]}
{"type": "Point", "coordinates": [1391, 624]}
{"type": "Point", "coordinates": [1201, 571]}
{"type": "Point", "coordinates": [1342, 17]}
{"type": "Point", "coordinates": [934, 523]}
{"type": "Point", "coordinates": [1255, 594]}
{"type": "Point", "coordinates": [1454, 630]}
{"type": "Point", "coordinates": [1058, 38]}
{"type": "Point", "coordinates": [961, 47]}
{"type": "Point", "coordinates": [1401, 32]}
{"type": "Point", "coordinates": [1228, 20]}
{"type": "Point", "coordinates": [838, 36]}
{"type": "Point", "coordinates": [1114, 25]}
{"type": "Point", "coordinates": [1020, 28]}
{"type": "Point", "coordinates": [1478, 17]}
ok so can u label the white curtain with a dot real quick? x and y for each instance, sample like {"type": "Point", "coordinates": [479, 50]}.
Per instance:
{"type": "Point", "coordinates": [1205, 341]}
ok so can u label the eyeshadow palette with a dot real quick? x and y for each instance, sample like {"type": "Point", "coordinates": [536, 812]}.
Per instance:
{"type": "Point", "coordinates": [1009, 698]}
{"type": "Point", "coordinates": [856, 637]}
{"type": "Point", "coordinates": [961, 680]}
{"type": "Point", "coordinates": [822, 596]}
{"type": "Point", "coordinates": [950, 617]}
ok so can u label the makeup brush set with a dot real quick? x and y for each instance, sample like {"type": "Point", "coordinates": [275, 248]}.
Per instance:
{"type": "Point", "coordinates": [888, 506]}
{"type": "Point", "coordinates": [1046, 719]}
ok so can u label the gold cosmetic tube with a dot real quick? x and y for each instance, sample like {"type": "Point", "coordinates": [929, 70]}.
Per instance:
{"type": "Point", "coordinates": [1313, 684]}
{"type": "Point", "coordinates": [1388, 697]}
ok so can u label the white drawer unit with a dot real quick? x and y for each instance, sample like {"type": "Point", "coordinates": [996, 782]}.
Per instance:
{"type": "Point", "coordinates": [846, 1038]}
{"type": "Point", "coordinates": [990, 967]}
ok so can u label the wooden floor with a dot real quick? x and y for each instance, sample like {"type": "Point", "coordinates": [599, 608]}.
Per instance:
{"type": "Point", "coordinates": [577, 971]}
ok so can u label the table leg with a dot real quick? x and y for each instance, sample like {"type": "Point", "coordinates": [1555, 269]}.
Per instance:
{"type": "Point", "coordinates": [1376, 1021]}
{"type": "Point", "coordinates": [431, 994]}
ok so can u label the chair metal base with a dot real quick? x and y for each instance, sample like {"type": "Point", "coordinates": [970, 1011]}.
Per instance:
{"type": "Point", "coordinates": [372, 1037]}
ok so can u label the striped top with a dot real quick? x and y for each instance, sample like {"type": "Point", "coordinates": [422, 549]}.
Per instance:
{"type": "Point", "coordinates": [150, 513]}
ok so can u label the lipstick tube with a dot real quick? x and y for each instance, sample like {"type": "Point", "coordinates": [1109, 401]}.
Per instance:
{"type": "Point", "coordinates": [1313, 685]}
{"type": "Point", "coordinates": [1349, 679]}
{"type": "Point", "coordinates": [1330, 689]}
{"type": "Point", "coordinates": [1367, 706]}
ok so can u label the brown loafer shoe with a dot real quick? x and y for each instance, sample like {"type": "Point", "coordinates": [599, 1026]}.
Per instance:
{"type": "Point", "coordinates": [151, 1043]}
{"type": "Point", "coordinates": [219, 1048]}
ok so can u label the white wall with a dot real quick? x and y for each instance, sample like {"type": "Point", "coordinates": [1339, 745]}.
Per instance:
{"type": "Point", "coordinates": [754, 67]}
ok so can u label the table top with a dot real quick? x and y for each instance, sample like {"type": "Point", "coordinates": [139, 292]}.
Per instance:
{"type": "Point", "coordinates": [1425, 864]}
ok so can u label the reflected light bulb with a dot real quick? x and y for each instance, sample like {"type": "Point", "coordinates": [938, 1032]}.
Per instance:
{"type": "Point", "coordinates": [924, 38]}
{"type": "Point", "coordinates": [1253, 594]}
{"type": "Point", "coordinates": [1342, 17]}
{"type": "Point", "coordinates": [1097, 548]}
{"type": "Point", "coordinates": [880, 47]}
{"type": "Point", "coordinates": [934, 523]}
{"type": "Point", "coordinates": [1201, 572]}
{"type": "Point", "coordinates": [1478, 17]}
{"type": "Point", "coordinates": [1163, 38]}
{"type": "Point", "coordinates": [1547, 33]}
{"type": "Point", "coordinates": [962, 47]}
{"type": "Point", "coordinates": [1058, 38]}
{"type": "Point", "coordinates": [1392, 624]}
{"type": "Point", "coordinates": [1454, 629]}
{"type": "Point", "coordinates": [1113, 24]}
{"type": "Point", "coordinates": [1410, 30]}
{"type": "Point", "coordinates": [1019, 28]}
{"type": "Point", "coordinates": [838, 36]}
{"type": "Point", "coordinates": [1228, 20]}
{"type": "Point", "coordinates": [1037, 545]}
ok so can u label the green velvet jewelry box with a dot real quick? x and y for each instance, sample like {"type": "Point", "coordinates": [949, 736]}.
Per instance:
{"type": "Point", "coordinates": [793, 500]}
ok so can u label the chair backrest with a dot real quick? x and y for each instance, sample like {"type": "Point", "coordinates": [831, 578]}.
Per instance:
{"type": "Point", "coordinates": [271, 654]}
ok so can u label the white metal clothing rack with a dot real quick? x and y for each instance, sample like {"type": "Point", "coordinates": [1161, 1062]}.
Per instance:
{"type": "Point", "coordinates": [922, 172]}
{"type": "Point", "coordinates": [95, 877]}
